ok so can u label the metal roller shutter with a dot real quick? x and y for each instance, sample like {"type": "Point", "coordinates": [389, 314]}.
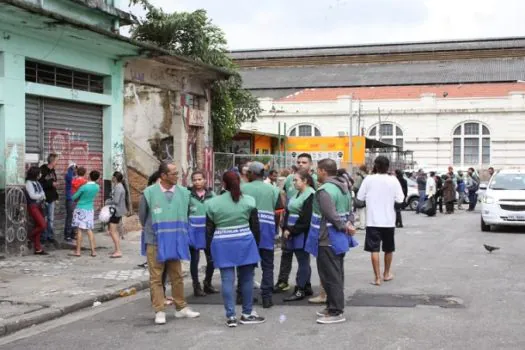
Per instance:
{"type": "Point", "coordinates": [33, 125]}
{"type": "Point", "coordinates": [74, 132]}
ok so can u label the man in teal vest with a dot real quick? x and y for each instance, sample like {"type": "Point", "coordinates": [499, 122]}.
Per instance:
{"type": "Point", "coordinates": [267, 201]}
{"type": "Point", "coordinates": [332, 202]}
{"type": "Point", "coordinates": [163, 213]}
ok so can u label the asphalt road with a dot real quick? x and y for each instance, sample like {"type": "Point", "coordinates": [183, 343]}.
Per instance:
{"type": "Point", "coordinates": [436, 257]}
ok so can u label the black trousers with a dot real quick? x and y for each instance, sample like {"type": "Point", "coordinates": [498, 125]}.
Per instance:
{"type": "Point", "coordinates": [399, 218]}
{"type": "Point", "coordinates": [286, 265]}
{"type": "Point", "coordinates": [331, 272]}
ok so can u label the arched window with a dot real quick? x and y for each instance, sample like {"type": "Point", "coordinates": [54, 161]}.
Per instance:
{"type": "Point", "coordinates": [387, 133]}
{"type": "Point", "coordinates": [304, 130]}
{"type": "Point", "coordinates": [471, 144]}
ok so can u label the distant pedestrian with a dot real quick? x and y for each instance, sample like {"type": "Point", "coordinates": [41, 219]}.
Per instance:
{"type": "Point", "coordinates": [84, 214]}
{"type": "Point", "coordinates": [449, 194]}
{"type": "Point", "coordinates": [439, 192]}
{"type": "Point", "coordinates": [233, 237]}
{"type": "Point", "coordinates": [361, 212]}
{"type": "Point", "coordinates": [69, 203]}
{"type": "Point", "coordinates": [35, 201]}
{"type": "Point", "coordinates": [48, 180]}
{"type": "Point", "coordinates": [404, 186]}
{"type": "Point", "coordinates": [272, 178]}
{"type": "Point", "coordinates": [382, 194]}
{"type": "Point", "coordinates": [491, 172]}
{"type": "Point", "coordinates": [472, 185]}
{"type": "Point", "coordinates": [119, 204]}
{"type": "Point", "coordinates": [163, 213]}
{"type": "Point", "coordinates": [421, 189]}
{"type": "Point", "coordinates": [79, 180]}
{"type": "Point", "coordinates": [461, 190]}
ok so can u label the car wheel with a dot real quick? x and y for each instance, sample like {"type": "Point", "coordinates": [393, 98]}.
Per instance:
{"type": "Point", "coordinates": [412, 203]}
{"type": "Point", "coordinates": [484, 226]}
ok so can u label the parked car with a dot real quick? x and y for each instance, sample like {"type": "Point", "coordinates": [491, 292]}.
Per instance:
{"type": "Point", "coordinates": [503, 202]}
{"type": "Point", "coordinates": [412, 194]}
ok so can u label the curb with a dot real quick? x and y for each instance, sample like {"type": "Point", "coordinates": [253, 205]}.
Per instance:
{"type": "Point", "coordinates": [40, 316]}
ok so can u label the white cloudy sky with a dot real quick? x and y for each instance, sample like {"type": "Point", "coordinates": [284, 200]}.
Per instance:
{"type": "Point", "coordinates": [252, 24]}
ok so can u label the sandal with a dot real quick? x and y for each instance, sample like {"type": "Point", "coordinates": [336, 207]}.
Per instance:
{"type": "Point", "coordinates": [74, 254]}
{"type": "Point", "coordinates": [113, 256]}
{"type": "Point", "coordinates": [93, 255]}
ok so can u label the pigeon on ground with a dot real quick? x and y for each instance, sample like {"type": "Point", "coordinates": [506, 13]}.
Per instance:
{"type": "Point", "coordinates": [489, 248]}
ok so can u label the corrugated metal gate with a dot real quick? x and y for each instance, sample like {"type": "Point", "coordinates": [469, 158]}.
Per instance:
{"type": "Point", "coordinates": [73, 131]}
{"type": "Point", "coordinates": [33, 125]}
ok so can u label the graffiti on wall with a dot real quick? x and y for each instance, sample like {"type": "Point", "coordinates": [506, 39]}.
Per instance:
{"type": "Point", "coordinates": [208, 165]}
{"type": "Point", "coordinates": [71, 147]}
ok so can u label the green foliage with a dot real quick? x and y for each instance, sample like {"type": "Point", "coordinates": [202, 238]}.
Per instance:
{"type": "Point", "coordinates": [195, 36]}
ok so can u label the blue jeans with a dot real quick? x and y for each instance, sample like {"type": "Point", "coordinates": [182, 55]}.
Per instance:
{"type": "Point", "coordinates": [304, 270]}
{"type": "Point", "coordinates": [194, 266]}
{"type": "Point", "coordinates": [49, 233]}
{"type": "Point", "coordinates": [267, 273]}
{"type": "Point", "coordinates": [246, 285]}
{"type": "Point", "coordinates": [68, 230]}
{"type": "Point", "coordinates": [422, 196]}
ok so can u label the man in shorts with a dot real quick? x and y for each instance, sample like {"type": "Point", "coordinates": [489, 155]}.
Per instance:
{"type": "Point", "coordinates": [382, 194]}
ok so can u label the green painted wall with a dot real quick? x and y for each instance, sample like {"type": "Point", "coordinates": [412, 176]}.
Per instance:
{"type": "Point", "coordinates": [12, 118]}
{"type": "Point", "coordinates": [56, 46]}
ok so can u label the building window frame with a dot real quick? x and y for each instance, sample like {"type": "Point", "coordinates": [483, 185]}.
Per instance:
{"type": "Point", "coordinates": [471, 144]}
{"type": "Point", "coordinates": [299, 130]}
{"type": "Point", "coordinates": [391, 133]}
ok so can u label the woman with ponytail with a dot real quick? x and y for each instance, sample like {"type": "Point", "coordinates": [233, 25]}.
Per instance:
{"type": "Point", "coordinates": [232, 228]}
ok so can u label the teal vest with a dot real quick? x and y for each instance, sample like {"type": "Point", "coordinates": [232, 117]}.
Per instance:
{"type": "Point", "coordinates": [233, 243]}
{"type": "Point", "coordinates": [169, 221]}
{"type": "Point", "coordinates": [294, 208]}
{"type": "Point", "coordinates": [265, 196]}
{"type": "Point", "coordinates": [197, 219]}
{"type": "Point", "coordinates": [340, 242]}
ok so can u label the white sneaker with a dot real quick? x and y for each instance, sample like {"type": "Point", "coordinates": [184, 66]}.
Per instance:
{"type": "Point", "coordinates": [186, 313]}
{"type": "Point", "coordinates": [160, 317]}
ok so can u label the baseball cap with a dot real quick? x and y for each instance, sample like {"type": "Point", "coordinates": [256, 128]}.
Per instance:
{"type": "Point", "coordinates": [256, 168]}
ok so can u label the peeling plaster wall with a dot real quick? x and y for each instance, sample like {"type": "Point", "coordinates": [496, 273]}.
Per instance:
{"type": "Point", "coordinates": [154, 110]}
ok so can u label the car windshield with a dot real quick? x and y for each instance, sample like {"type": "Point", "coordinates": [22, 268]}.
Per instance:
{"type": "Point", "coordinates": [508, 182]}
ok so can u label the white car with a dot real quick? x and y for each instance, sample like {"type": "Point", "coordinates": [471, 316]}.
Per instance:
{"type": "Point", "coordinates": [503, 202]}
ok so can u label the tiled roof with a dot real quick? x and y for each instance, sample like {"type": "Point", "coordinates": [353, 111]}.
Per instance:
{"type": "Point", "coordinates": [386, 74]}
{"type": "Point", "coordinates": [407, 92]}
{"type": "Point", "coordinates": [369, 49]}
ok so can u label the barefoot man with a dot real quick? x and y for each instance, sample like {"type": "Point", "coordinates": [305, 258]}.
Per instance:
{"type": "Point", "coordinates": [381, 193]}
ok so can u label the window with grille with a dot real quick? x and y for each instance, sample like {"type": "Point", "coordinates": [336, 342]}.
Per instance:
{"type": "Point", "coordinates": [388, 133]}
{"type": "Point", "coordinates": [304, 130]}
{"type": "Point", "coordinates": [62, 77]}
{"type": "Point", "coordinates": [471, 144]}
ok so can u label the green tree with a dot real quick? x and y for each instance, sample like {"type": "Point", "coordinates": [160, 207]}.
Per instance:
{"type": "Point", "coordinates": [194, 35]}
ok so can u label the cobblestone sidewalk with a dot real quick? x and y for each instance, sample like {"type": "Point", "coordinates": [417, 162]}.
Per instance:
{"type": "Point", "coordinates": [34, 289]}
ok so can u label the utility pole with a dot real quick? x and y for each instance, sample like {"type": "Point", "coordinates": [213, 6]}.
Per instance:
{"type": "Point", "coordinates": [379, 126]}
{"type": "Point", "coordinates": [359, 119]}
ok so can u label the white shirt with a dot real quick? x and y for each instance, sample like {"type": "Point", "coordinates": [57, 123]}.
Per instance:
{"type": "Point", "coordinates": [431, 186]}
{"type": "Point", "coordinates": [380, 192]}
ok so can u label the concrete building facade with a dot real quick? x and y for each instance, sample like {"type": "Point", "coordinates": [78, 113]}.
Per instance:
{"type": "Point", "coordinates": [477, 125]}
{"type": "Point", "coordinates": [61, 83]}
